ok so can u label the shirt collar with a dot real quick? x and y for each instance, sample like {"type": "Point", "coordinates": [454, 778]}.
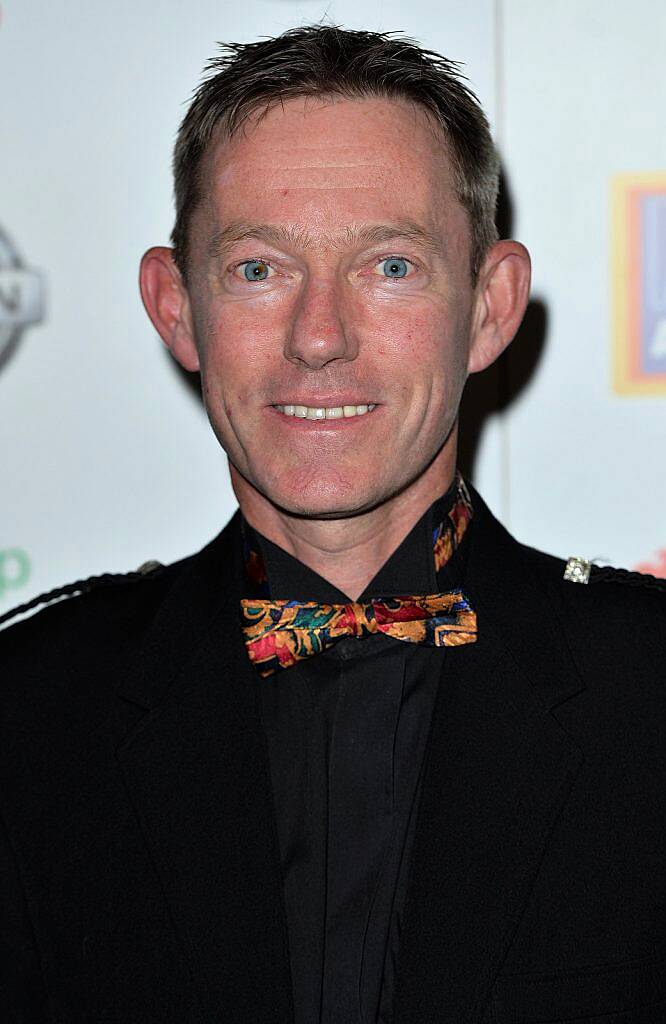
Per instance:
{"type": "Point", "coordinates": [409, 570]}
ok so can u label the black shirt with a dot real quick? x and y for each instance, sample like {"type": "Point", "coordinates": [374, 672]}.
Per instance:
{"type": "Point", "coordinates": [347, 732]}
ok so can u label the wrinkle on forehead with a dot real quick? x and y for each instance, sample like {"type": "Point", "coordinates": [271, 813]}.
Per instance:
{"type": "Point", "coordinates": [314, 169]}
{"type": "Point", "coordinates": [345, 144]}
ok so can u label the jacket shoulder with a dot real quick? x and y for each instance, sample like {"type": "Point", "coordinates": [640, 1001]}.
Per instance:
{"type": "Point", "coordinates": [577, 583]}
{"type": "Point", "coordinates": [95, 614]}
{"type": "Point", "coordinates": [578, 569]}
{"type": "Point", "coordinates": [92, 629]}
{"type": "Point", "coordinates": [612, 606]}
{"type": "Point", "coordinates": [575, 575]}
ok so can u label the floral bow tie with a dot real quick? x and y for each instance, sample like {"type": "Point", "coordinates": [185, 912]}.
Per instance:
{"type": "Point", "coordinates": [280, 633]}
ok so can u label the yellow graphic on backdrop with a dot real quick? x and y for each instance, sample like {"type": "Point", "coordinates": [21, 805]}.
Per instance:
{"type": "Point", "coordinates": [639, 283]}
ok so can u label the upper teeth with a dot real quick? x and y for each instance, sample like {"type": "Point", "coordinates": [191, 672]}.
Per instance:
{"type": "Point", "coordinates": [335, 412]}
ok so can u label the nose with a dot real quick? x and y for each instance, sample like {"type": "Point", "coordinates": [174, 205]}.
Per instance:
{"type": "Point", "coordinates": [319, 331]}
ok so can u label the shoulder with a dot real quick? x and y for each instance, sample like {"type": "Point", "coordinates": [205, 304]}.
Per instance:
{"type": "Point", "coordinates": [101, 622]}
{"type": "Point", "coordinates": [78, 589]}
{"type": "Point", "coordinates": [612, 632]}
{"type": "Point", "coordinates": [82, 657]}
{"type": "Point", "coordinates": [99, 619]}
{"type": "Point", "coordinates": [578, 585]}
{"type": "Point", "coordinates": [110, 600]}
{"type": "Point", "coordinates": [61, 665]}
{"type": "Point", "coordinates": [603, 606]}
{"type": "Point", "coordinates": [577, 578]}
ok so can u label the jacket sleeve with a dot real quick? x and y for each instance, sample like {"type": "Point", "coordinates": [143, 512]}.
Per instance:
{"type": "Point", "coordinates": [22, 992]}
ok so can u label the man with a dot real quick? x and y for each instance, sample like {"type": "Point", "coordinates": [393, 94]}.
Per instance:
{"type": "Point", "coordinates": [364, 758]}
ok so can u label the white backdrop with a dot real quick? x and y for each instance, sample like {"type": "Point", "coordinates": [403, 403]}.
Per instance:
{"type": "Point", "coordinates": [107, 457]}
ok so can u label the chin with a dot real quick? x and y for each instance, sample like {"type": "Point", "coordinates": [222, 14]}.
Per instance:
{"type": "Point", "coordinates": [327, 499]}
{"type": "Point", "coordinates": [328, 506]}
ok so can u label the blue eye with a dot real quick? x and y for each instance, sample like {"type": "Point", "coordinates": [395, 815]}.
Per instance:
{"type": "Point", "coordinates": [255, 270]}
{"type": "Point", "coordinates": [395, 267]}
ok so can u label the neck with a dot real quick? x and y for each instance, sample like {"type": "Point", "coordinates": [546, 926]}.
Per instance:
{"type": "Point", "coordinates": [348, 552]}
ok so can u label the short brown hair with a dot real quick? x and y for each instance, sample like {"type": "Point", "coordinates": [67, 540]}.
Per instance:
{"type": "Point", "coordinates": [323, 60]}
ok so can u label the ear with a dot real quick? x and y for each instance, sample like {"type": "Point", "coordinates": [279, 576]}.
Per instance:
{"type": "Point", "coordinates": [167, 303]}
{"type": "Point", "coordinates": [501, 296]}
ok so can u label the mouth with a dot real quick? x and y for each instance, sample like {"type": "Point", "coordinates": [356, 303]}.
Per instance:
{"type": "Point", "coordinates": [335, 412]}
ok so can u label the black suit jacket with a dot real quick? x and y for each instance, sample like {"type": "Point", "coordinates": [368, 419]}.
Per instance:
{"type": "Point", "coordinates": [140, 875]}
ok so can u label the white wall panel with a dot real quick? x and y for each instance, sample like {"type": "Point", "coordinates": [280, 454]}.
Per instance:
{"type": "Point", "coordinates": [584, 98]}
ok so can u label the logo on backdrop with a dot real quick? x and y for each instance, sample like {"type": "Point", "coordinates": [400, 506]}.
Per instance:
{"type": "Point", "coordinates": [639, 283]}
{"type": "Point", "coordinates": [21, 298]}
{"type": "Point", "coordinates": [14, 569]}
{"type": "Point", "coordinates": [656, 566]}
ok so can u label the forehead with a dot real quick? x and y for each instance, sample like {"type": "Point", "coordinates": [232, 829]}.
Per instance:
{"type": "Point", "coordinates": [328, 163]}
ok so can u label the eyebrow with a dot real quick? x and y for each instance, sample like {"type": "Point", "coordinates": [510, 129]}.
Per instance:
{"type": "Point", "coordinates": [294, 237]}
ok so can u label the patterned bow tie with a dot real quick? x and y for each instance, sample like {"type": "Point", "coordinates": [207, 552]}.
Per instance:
{"type": "Point", "coordinates": [280, 633]}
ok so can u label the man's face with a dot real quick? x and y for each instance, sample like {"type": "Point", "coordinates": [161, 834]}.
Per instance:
{"type": "Point", "coordinates": [329, 270]}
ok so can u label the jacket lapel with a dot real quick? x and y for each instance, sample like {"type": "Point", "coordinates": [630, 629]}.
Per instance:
{"type": "Point", "coordinates": [196, 771]}
{"type": "Point", "coordinates": [498, 771]}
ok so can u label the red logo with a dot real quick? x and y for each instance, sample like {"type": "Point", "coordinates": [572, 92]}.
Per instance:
{"type": "Point", "coordinates": [656, 567]}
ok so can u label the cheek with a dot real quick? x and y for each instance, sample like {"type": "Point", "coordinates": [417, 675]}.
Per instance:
{"type": "Point", "coordinates": [241, 349]}
{"type": "Point", "coordinates": [415, 340]}
{"type": "Point", "coordinates": [414, 320]}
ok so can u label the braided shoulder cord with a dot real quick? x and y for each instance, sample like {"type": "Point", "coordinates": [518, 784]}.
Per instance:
{"type": "Point", "coordinates": [69, 590]}
{"type": "Point", "coordinates": [607, 574]}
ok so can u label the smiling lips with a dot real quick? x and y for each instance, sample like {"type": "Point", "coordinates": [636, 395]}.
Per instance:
{"type": "Point", "coordinates": [336, 412]}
